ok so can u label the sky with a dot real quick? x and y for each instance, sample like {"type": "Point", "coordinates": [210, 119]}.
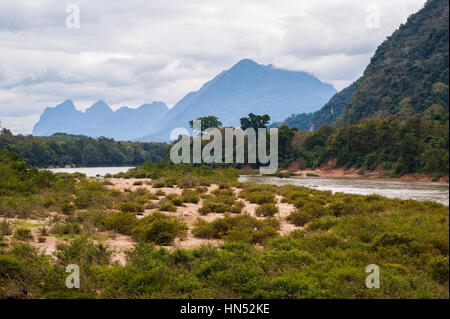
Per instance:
{"type": "Point", "coordinates": [137, 51]}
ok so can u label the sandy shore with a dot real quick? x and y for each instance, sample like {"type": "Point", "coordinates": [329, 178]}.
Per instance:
{"type": "Point", "coordinates": [327, 170]}
{"type": "Point", "coordinates": [120, 243]}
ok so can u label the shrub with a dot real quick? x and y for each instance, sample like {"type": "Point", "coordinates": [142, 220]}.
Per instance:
{"type": "Point", "coordinates": [258, 197]}
{"type": "Point", "coordinates": [158, 184]}
{"type": "Point", "coordinates": [315, 210]}
{"type": "Point", "coordinates": [237, 207]}
{"type": "Point", "coordinates": [5, 228]}
{"type": "Point", "coordinates": [138, 183]}
{"type": "Point", "coordinates": [438, 268]}
{"type": "Point", "coordinates": [66, 229]}
{"type": "Point", "coordinates": [267, 210]}
{"type": "Point", "coordinates": [48, 202]}
{"type": "Point", "coordinates": [190, 196]}
{"type": "Point", "coordinates": [201, 189]}
{"type": "Point", "coordinates": [391, 239]}
{"type": "Point", "coordinates": [68, 208]}
{"type": "Point", "coordinates": [299, 218]}
{"type": "Point", "coordinates": [242, 228]}
{"type": "Point", "coordinates": [167, 207]}
{"type": "Point", "coordinates": [324, 223]}
{"type": "Point", "coordinates": [300, 202]}
{"type": "Point", "coordinates": [204, 210]}
{"type": "Point", "coordinates": [83, 251]}
{"type": "Point", "coordinates": [122, 222]}
{"type": "Point", "coordinates": [177, 201]}
{"type": "Point", "coordinates": [160, 193]}
{"type": "Point", "coordinates": [43, 231]}
{"type": "Point", "coordinates": [159, 228]}
{"type": "Point", "coordinates": [127, 206]}
{"type": "Point", "coordinates": [23, 234]}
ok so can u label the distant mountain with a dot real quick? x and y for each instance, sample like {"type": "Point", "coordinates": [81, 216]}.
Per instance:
{"type": "Point", "coordinates": [101, 120]}
{"type": "Point", "coordinates": [247, 87]}
{"type": "Point", "coordinates": [326, 115]}
{"type": "Point", "coordinates": [409, 73]}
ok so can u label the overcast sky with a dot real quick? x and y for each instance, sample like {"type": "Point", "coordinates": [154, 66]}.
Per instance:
{"type": "Point", "coordinates": [138, 51]}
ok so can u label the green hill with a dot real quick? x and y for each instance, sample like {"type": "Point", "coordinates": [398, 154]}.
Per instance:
{"type": "Point", "coordinates": [409, 73]}
{"type": "Point", "coordinates": [63, 149]}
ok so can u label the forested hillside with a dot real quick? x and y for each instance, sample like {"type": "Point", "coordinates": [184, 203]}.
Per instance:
{"type": "Point", "coordinates": [415, 145]}
{"type": "Point", "coordinates": [77, 150]}
{"type": "Point", "coordinates": [409, 73]}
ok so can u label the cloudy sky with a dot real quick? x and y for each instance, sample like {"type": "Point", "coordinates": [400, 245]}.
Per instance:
{"type": "Point", "coordinates": [137, 51]}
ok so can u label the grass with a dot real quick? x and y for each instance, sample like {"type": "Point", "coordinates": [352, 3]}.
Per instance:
{"type": "Point", "coordinates": [340, 235]}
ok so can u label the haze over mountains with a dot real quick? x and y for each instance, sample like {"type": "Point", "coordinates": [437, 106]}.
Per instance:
{"type": "Point", "coordinates": [100, 120]}
{"type": "Point", "coordinates": [247, 87]}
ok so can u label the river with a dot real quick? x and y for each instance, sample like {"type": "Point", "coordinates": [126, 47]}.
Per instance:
{"type": "Point", "coordinates": [437, 192]}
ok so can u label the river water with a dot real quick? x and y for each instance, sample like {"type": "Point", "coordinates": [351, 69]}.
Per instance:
{"type": "Point", "coordinates": [437, 192]}
{"type": "Point", "coordinates": [423, 191]}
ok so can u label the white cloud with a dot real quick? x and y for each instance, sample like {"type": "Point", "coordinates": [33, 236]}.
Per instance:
{"type": "Point", "coordinates": [133, 52]}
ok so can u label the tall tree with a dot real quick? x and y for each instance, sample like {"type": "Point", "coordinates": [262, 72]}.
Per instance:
{"type": "Point", "coordinates": [255, 121]}
{"type": "Point", "coordinates": [207, 122]}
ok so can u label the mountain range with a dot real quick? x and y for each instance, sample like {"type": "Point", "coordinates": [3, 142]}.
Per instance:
{"type": "Point", "coordinates": [100, 120]}
{"type": "Point", "coordinates": [247, 87]}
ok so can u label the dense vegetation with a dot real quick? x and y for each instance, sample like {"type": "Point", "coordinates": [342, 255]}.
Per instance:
{"type": "Point", "coordinates": [331, 111]}
{"type": "Point", "coordinates": [75, 150]}
{"type": "Point", "coordinates": [409, 73]}
{"type": "Point", "coordinates": [414, 145]}
{"type": "Point", "coordinates": [342, 234]}
{"type": "Point", "coordinates": [418, 144]}
{"type": "Point", "coordinates": [301, 121]}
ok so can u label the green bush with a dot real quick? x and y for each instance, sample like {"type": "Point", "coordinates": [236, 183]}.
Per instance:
{"type": "Point", "coordinates": [122, 222]}
{"type": "Point", "coordinates": [23, 234]}
{"type": "Point", "coordinates": [267, 210]}
{"type": "Point", "coordinates": [5, 228]}
{"type": "Point", "coordinates": [68, 208]}
{"type": "Point", "coordinates": [237, 207]}
{"type": "Point", "coordinates": [262, 197]}
{"type": "Point", "coordinates": [438, 268]}
{"type": "Point", "coordinates": [299, 218]}
{"type": "Point", "coordinates": [190, 196]}
{"type": "Point", "coordinates": [66, 229]}
{"type": "Point", "coordinates": [167, 207]}
{"type": "Point", "coordinates": [177, 201]}
{"type": "Point", "coordinates": [392, 239]}
{"type": "Point", "coordinates": [242, 228]}
{"type": "Point", "coordinates": [159, 228]}
{"type": "Point", "coordinates": [127, 206]}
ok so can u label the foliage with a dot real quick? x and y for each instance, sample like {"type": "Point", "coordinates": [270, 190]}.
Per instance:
{"type": "Point", "coordinates": [62, 149]}
{"type": "Point", "coordinates": [159, 228]}
{"type": "Point", "coordinates": [207, 122]}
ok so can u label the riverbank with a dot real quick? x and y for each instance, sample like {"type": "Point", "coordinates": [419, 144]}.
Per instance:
{"type": "Point", "coordinates": [329, 170]}
{"type": "Point", "coordinates": [197, 232]}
